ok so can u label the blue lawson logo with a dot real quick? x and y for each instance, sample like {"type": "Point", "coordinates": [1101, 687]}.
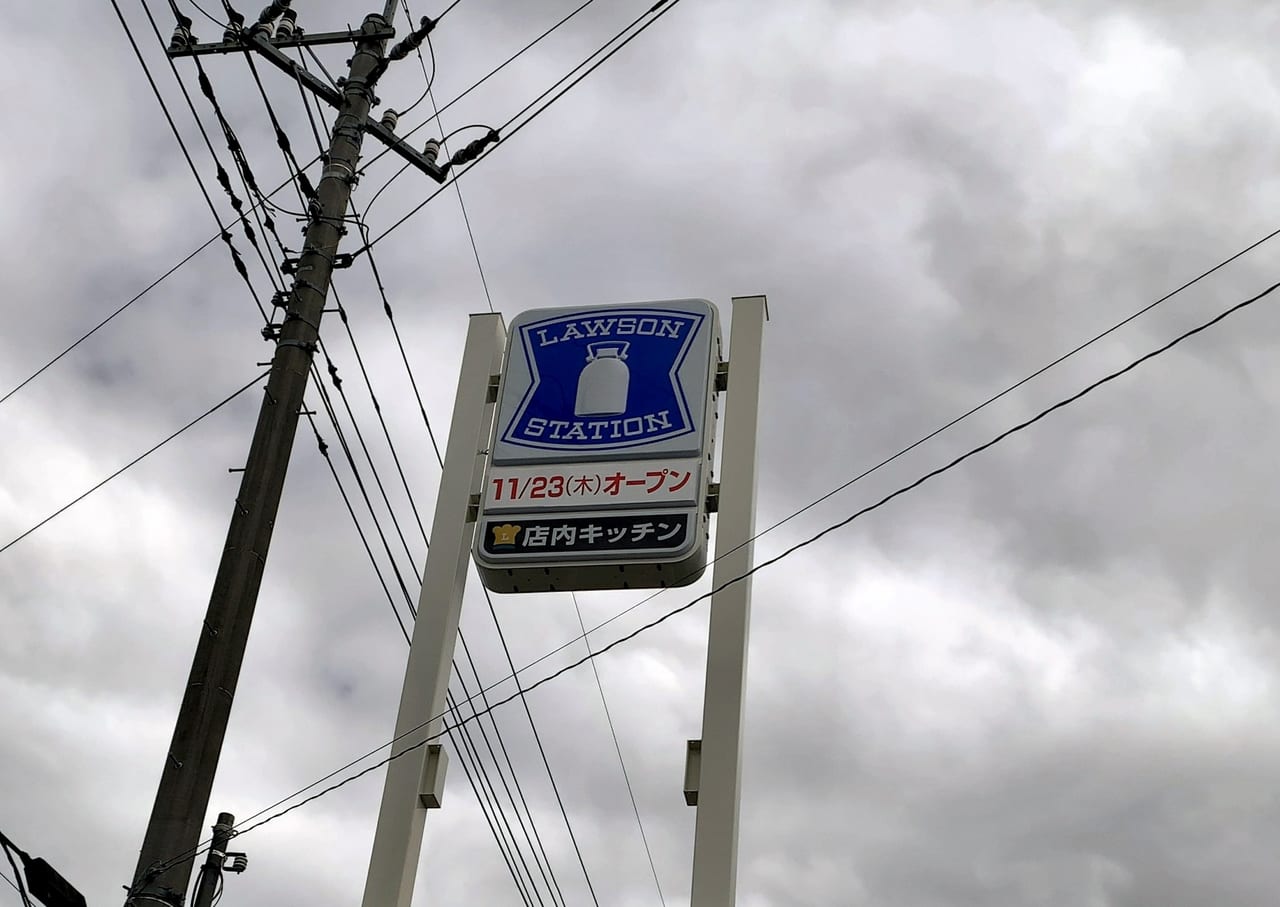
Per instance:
{"type": "Point", "coordinates": [604, 379]}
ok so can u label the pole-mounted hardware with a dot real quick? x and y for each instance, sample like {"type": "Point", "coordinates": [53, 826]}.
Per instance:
{"type": "Point", "coordinates": [260, 38]}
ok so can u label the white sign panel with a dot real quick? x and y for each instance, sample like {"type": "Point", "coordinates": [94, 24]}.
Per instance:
{"type": "Point", "coordinates": [598, 472]}
{"type": "Point", "coordinates": [649, 483]}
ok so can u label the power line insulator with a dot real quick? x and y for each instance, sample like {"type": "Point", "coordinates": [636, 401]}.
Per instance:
{"type": "Point", "coordinates": [182, 37]}
{"type": "Point", "coordinates": [287, 25]}
{"type": "Point", "coordinates": [235, 28]}
{"type": "Point", "coordinates": [390, 119]}
{"type": "Point", "coordinates": [272, 12]}
{"type": "Point", "coordinates": [474, 149]}
{"type": "Point", "coordinates": [431, 151]}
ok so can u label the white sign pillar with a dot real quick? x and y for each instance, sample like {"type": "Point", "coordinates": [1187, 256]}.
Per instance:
{"type": "Point", "coordinates": [719, 769]}
{"type": "Point", "coordinates": [415, 780]}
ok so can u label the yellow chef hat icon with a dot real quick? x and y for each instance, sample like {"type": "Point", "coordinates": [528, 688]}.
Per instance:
{"type": "Point", "coordinates": [505, 534]}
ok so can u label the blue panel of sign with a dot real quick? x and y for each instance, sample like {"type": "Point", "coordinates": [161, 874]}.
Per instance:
{"type": "Point", "coordinates": [604, 380]}
{"type": "Point", "coordinates": [589, 384]}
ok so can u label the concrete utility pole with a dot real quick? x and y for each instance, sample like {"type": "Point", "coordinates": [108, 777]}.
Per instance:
{"type": "Point", "coordinates": [173, 833]}
{"type": "Point", "coordinates": [207, 889]}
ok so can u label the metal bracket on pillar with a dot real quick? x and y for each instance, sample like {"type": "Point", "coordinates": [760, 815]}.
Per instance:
{"type": "Point", "coordinates": [692, 771]}
{"type": "Point", "coordinates": [722, 377]}
{"type": "Point", "coordinates": [431, 790]}
{"type": "Point", "coordinates": [713, 497]}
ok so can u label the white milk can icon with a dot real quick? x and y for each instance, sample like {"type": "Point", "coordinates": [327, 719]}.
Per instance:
{"type": "Point", "coordinates": [604, 382]}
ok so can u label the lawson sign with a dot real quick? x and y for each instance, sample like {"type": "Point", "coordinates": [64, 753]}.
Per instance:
{"type": "Point", "coordinates": [598, 474]}
{"type": "Point", "coordinates": [583, 383]}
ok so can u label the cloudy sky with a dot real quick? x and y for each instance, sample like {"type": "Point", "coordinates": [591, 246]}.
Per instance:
{"type": "Point", "coordinates": [1044, 678]}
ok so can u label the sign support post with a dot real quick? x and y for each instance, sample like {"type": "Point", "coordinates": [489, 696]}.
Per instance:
{"type": "Point", "coordinates": [415, 780]}
{"type": "Point", "coordinates": [718, 786]}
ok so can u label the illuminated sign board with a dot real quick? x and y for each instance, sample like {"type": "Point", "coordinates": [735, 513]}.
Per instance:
{"type": "Point", "coordinates": [598, 473]}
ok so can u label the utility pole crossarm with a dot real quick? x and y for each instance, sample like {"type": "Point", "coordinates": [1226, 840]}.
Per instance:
{"type": "Point", "coordinates": [297, 39]}
{"type": "Point", "coordinates": [270, 50]}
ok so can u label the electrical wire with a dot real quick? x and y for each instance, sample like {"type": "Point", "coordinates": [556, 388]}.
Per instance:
{"type": "Point", "coordinates": [135, 461]}
{"type": "Point", "coordinates": [217, 236]}
{"type": "Point", "coordinates": [617, 745]}
{"type": "Point", "coordinates": [447, 9]}
{"type": "Point", "coordinates": [387, 185]}
{"type": "Point", "coordinates": [311, 51]}
{"type": "Point", "coordinates": [246, 174]}
{"type": "Point", "coordinates": [9, 849]}
{"type": "Point", "coordinates": [537, 737]}
{"type": "Point", "coordinates": [408, 601]}
{"type": "Point", "coordinates": [467, 742]}
{"type": "Point", "coordinates": [502, 639]}
{"type": "Point", "coordinates": [429, 79]}
{"type": "Point", "coordinates": [490, 74]}
{"type": "Point", "coordinates": [409, 605]}
{"type": "Point", "coordinates": [377, 478]}
{"type": "Point", "coordinates": [902, 490]}
{"type": "Point", "coordinates": [654, 13]}
{"type": "Point", "coordinates": [390, 314]}
{"type": "Point", "coordinates": [538, 847]}
{"type": "Point", "coordinates": [487, 806]}
{"type": "Point", "coordinates": [306, 100]}
{"type": "Point", "coordinates": [203, 12]}
{"type": "Point", "coordinates": [846, 485]}
{"type": "Point", "coordinates": [262, 206]}
{"type": "Point", "coordinates": [155, 89]}
{"type": "Point", "coordinates": [14, 886]}
{"type": "Point", "coordinates": [103, 323]}
{"type": "Point", "coordinates": [387, 309]}
{"type": "Point", "coordinates": [535, 844]}
{"type": "Point", "coordinates": [305, 190]}
{"type": "Point", "coordinates": [382, 422]}
{"type": "Point", "coordinates": [237, 154]}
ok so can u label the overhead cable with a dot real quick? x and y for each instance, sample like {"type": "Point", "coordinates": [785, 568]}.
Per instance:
{"type": "Point", "coordinates": [237, 154]}
{"type": "Point", "coordinates": [287, 182]}
{"type": "Point", "coordinates": [486, 77]}
{"type": "Point", "coordinates": [617, 745]}
{"type": "Point", "coordinates": [653, 14]}
{"type": "Point", "coordinates": [135, 461]}
{"type": "Point", "coordinates": [516, 854]}
{"type": "Point", "coordinates": [103, 323]}
{"type": "Point", "coordinates": [1019, 427]}
{"type": "Point", "coordinates": [222, 230]}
